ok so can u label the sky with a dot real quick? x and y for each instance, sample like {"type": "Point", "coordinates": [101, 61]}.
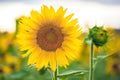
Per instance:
{"type": "Point", "coordinates": [88, 12]}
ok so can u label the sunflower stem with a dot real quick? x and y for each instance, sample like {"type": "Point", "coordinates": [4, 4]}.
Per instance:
{"type": "Point", "coordinates": [54, 77]}
{"type": "Point", "coordinates": [56, 74]}
{"type": "Point", "coordinates": [91, 70]}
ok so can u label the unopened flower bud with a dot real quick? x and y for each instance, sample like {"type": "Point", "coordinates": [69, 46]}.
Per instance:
{"type": "Point", "coordinates": [98, 35]}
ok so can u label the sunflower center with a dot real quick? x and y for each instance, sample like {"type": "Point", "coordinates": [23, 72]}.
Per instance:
{"type": "Point", "coordinates": [49, 37]}
{"type": "Point", "coordinates": [1, 71]}
{"type": "Point", "coordinates": [116, 67]}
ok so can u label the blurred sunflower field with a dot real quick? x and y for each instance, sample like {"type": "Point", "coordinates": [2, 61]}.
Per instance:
{"type": "Point", "coordinates": [51, 44]}
{"type": "Point", "coordinates": [13, 66]}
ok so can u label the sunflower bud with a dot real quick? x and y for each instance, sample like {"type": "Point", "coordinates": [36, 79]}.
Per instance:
{"type": "Point", "coordinates": [98, 35]}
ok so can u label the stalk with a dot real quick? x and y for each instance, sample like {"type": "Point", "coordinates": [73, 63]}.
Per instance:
{"type": "Point", "coordinates": [91, 71]}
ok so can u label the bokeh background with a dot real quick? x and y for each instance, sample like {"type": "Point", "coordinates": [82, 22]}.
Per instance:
{"type": "Point", "coordinates": [89, 12]}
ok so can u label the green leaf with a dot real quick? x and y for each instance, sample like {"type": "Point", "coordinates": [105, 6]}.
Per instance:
{"type": "Point", "coordinates": [102, 57]}
{"type": "Point", "coordinates": [71, 73]}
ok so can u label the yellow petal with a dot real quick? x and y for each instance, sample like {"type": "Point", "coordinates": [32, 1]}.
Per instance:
{"type": "Point", "coordinates": [61, 58]}
{"type": "Point", "coordinates": [36, 17]}
{"type": "Point", "coordinates": [66, 19]}
{"type": "Point", "coordinates": [53, 62]}
{"type": "Point", "coordinates": [60, 14]}
{"type": "Point", "coordinates": [34, 56]}
{"type": "Point", "coordinates": [44, 12]}
{"type": "Point", "coordinates": [52, 12]}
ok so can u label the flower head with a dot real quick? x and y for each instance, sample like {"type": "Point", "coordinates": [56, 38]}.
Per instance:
{"type": "Point", "coordinates": [113, 45]}
{"type": "Point", "coordinates": [9, 63]}
{"type": "Point", "coordinates": [113, 64]}
{"type": "Point", "coordinates": [50, 37]}
{"type": "Point", "coordinates": [99, 35]}
{"type": "Point", "coordinates": [5, 41]}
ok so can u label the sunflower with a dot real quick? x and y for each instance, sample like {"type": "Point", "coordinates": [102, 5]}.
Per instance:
{"type": "Point", "coordinates": [5, 41]}
{"type": "Point", "coordinates": [13, 62]}
{"type": "Point", "coordinates": [113, 64]}
{"type": "Point", "coordinates": [112, 44]}
{"type": "Point", "coordinates": [9, 63]}
{"type": "Point", "coordinates": [106, 49]}
{"type": "Point", "coordinates": [114, 41]}
{"type": "Point", "coordinates": [5, 70]}
{"type": "Point", "coordinates": [49, 37]}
